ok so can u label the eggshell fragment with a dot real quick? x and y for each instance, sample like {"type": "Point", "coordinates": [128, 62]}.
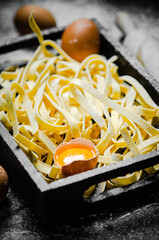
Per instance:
{"type": "Point", "coordinates": [81, 39]}
{"type": "Point", "coordinates": [77, 166]}
{"type": "Point", "coordinates": [3, 184]}
{"type": "Point", "coordinates": [42, 16]}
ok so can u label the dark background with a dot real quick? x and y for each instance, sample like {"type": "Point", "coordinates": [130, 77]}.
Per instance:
{"type": "Point", "coordinates": [136, 219]}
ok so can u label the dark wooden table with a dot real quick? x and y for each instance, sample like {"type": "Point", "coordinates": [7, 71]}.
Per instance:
{"type": "Point", "coordinates": [137, 219]}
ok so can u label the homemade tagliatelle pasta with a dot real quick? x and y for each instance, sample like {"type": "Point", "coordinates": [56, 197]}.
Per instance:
{"type": "Point", "coordinates": [54, 99]}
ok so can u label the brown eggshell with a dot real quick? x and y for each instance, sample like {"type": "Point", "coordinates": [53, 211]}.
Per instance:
{"type": "Point", "coordinates": [3, 184]}
{"type": "Point", "coordinates": [42, 16]}
{"type": "Point", "coordinates": [77, 166]}
{"type": "Point", "coordinates": [81, 39]}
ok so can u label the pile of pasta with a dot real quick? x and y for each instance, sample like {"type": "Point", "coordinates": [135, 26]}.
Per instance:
{"type": "Point", "coordinates": [54, 99]}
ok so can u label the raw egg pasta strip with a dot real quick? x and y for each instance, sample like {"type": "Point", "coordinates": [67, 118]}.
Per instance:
{"type": "Point", "coordinates": [27, 106]}
{"type": "Point", "coordinates": [129, 141]}
{"type": "Point", "coordinates": [35, 28]}
{"type": "Point", "coordinates": [140, 90]}
{"type": "Point", "coordinates": [5, 120]}
{"type": "Point", "coordinates": [54, 99]}
{"type": "Point", "coordinates": [11, 110]}
{"type": "Point", "coordinates": [57, 48]}
{"type": "Point", "coordinates": [3, 104]}
{"type": "Point", "coordinates": [106, 139]}
{"type": "Point", "coordinates": [9, 75]}
{"type": "Point", "coordinates": [27, 68]}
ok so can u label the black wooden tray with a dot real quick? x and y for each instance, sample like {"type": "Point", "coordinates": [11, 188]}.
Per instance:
{"type": "Point", "coordinates": [63, 198]}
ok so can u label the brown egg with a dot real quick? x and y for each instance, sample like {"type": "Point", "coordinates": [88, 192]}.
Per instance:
{"type": "Point", "coordinates": [42, 16]}
{"type": "Point", "coordinates": [80, 39]}
{"type": "Point", "coordinates": [3, 183]}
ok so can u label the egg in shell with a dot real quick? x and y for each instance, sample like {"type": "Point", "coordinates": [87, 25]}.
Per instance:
{"type": "Point", "coordinates": [43, 18]}
{"type": "Point", "coordinates": [3, 183]}
{"type": "Point", "coordinates": [79, 155]}
{"type": "Point", "coordinates": [81, 39]}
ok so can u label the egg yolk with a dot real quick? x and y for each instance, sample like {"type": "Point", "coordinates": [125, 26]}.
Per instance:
{"type": "Point", "coordinates": [74, 154]}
